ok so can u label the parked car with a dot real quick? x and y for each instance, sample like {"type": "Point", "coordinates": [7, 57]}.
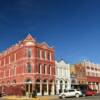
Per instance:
{"type": "Point", "coordinates": [70, 93]}
{"type": "Point", "coordinates": [90, 92]}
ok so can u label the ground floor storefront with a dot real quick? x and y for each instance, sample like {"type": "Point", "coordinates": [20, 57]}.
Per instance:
{"type": "Point", "coordinates": [61, 85]}
{"type": "Point", "coordinates": [94, 83]}
{"type": "Point", "coordinates": [94, 86]}
{"type": "Point", "coordinates": [41, 87]}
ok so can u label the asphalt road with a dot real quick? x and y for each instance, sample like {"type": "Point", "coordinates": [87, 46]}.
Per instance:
{"type": "Point", "coordinates": [74, 98]}
{"type": "Point", "coordinates": [81, 98]}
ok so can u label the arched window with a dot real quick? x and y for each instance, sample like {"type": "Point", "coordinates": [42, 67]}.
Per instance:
{"type": "Point", "coordinates": [29, 67]}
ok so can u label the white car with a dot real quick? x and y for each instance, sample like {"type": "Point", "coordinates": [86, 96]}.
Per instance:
{"type": "Point", "coordinates": [70, 93]}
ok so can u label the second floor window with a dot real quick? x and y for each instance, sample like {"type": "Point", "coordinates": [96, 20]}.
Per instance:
{"type": "Point", "coordinates": [29, 67]}
{"type": "Point", "coordinates": [39, 68]}
{"type": "Point", "coordinates": [29, 52]}
{"type": "Point", "coordinates": [49, 69]}
{"type": "Point", "coordinates": [44, 68]}
{"type": "Point", "coordinates": [14, 71]}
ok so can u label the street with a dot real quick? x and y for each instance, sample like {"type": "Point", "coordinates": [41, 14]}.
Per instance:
{"type": "Point", "coordinates": [81, 98]}
{"type": "Point", "coordinates": [72, 98]}
{"type": "Point", "coordinates": [85, 98]}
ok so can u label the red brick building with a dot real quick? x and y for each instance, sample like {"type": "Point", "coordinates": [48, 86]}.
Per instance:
{"type": "Point", "coordinates": [26, 66]}
{"type": "Point", "coordinates": [88, 73]}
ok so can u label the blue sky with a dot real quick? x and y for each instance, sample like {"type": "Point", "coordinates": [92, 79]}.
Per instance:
{"type": "Point", "coordinates": [71, 26]}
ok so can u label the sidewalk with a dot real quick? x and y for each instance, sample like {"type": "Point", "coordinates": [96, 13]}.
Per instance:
{"type": "Point", "coordinates": [19, 98]}
{"type": "Point", "coordinates": [27, 98]}
{"type": "Point", "coordinates": [51, 97]}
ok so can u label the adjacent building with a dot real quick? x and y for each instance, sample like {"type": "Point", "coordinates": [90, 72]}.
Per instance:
{"type": "Point", "coordinates": [80, 74]}
{"type": "Point", "coordinates": [92, 74]}
{"type": "Point", "coordinates": [63, 81]}
{"type": "Point", "coordinates": [28, 66]}
{"type": "Point", "coordinates": [88, 73]}
{"type": "Point", "coordinates": [73, 74]}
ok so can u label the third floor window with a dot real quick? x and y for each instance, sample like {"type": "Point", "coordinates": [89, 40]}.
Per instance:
{"type": "Point", "coordinates": [39, 53]}
{"type": "Point", "coordinates": [29, 52]}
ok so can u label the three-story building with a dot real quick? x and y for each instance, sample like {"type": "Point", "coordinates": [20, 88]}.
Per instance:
{"type": "Point", "coordinates": [28, 66]}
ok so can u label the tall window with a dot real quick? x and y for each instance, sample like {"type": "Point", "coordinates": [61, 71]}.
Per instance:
{"type": "Point", "coordinates": [29, 67]}
{"type": "Point", "coordinates": [48, 55]}
{"type": "Point", "coordinates": [29, 52]}
{"type": "Point", "coordinates": [39, 53]}
{"type": "Point", "coordinates": [60, 71]}
{"type": "Point", "coordinates": [44, 68]}
{"type": "Point", "coordinates": [65, 71]}
{"type": "Point", "coordinates": [44, 55]}
{"type": "Point", "coordinates": [49, 69]}
{"type": "Point", "coordinates": [14, 71]}
{"type": "Point", "coordinates": [57, 71]}
{"type": "Point", "coordinates": [39, 68]}
{"type": "Point", "coordinates": [65, 84]}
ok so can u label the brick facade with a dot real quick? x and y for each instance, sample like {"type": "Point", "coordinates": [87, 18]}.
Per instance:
{"type": "Point", "coordinates": [28, 62]}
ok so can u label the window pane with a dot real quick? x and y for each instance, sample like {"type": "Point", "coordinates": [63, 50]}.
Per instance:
{"type": "Point", "coordinates": [48, 55]}
{"type": "Point", "coordinates": [39, 68]}
{"type": "Point", "coordinates": [29, 68]}
{"type": "Point", "coordinates": [29, 52]}
{"type": "Point", "coordinates": [49, 69]}
{"type": "Point", "coordinates": [38, 53]}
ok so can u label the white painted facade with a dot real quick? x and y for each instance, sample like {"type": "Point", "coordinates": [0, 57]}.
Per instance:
{"type": "Point", "coordinates": [63, 81]}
